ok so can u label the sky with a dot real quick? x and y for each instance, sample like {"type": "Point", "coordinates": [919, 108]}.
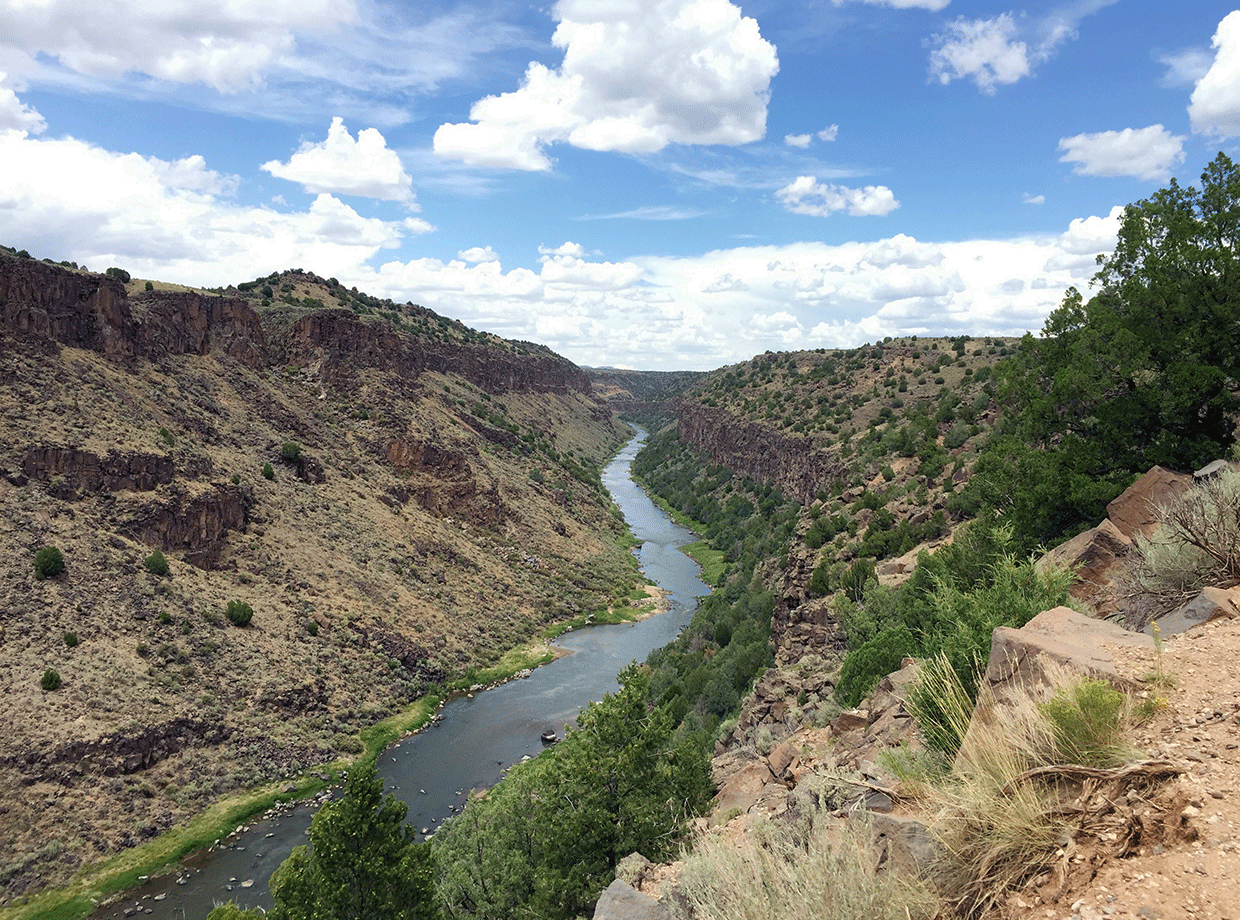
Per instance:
{"type": "Point", "coordinates": [650, 184]}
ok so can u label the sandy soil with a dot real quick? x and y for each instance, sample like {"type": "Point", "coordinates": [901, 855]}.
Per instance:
{"type": "Point", "coordinates": [1198, 730]}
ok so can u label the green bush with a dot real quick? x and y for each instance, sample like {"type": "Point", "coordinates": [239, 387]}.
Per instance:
{"type": "Point", "coordinates": [71, 639]}
{"type": "Point", "coordinates": [290, 452]}
{"type": "Point", "coordinates": [1087, 719]}
{"type": "Point", "coordinates": [239, 613]}
{"type": "Point", "coordinates": [48, 563]}
{"type": "Point", "coordinates": [119, 274]}
{"type": "Point", "coordinates": [149, 286]}
{"type": "Point", "coordinates": [268, 471]}
{"type": "Point", "coordinates": [155, 563]}
{"type": "Point", "coordinates": [50, 680]}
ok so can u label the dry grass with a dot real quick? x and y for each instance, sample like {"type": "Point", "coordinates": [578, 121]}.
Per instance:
{"type": "Point", "coordinates": [819, 870]}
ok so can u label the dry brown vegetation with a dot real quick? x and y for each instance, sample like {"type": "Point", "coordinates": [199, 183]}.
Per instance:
{"type": "Point", "coordinates": [429, 526]}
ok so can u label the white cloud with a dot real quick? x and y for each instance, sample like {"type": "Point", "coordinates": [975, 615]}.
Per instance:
{"type": "Point", "coordinates": [829, 133]}
{"type": "Point", "coordinates": [478, 254]}
{"type": "Point", "coordinates": [1185, 68]}
{"type": "Point", "coordinates": [985, 50]}
{"type": "Point", "coordinates": [169, 219]}
{"type": "Point", "coordinates": [933, 5]}
{"type": "Point", "coordinates": [806, 195]}
{"type": "Point", "coordinates": [226, 46]}
{"type": "Point", "coordinates": [1033, 199]}
{"type": "Point", "coordinates": [635, 78]}
{"type": "Point", "coordinates": [14, 114]}
{"type": "Point", "coordinates": [1144, 153]}
{"type": "Point", "coordinates": [1000, 51]}
{"type": "Point", "coordinates": [1215, 104]}
{"type": "Point", "coordinates": [341, 165]}
{"type": "Point", "coordinates": [648, 212]}
{"type": "Point", "coordinates": [798, 140]}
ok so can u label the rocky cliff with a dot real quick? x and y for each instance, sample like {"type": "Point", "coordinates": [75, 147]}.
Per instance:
{"type": "Point", "coordinates": [764, 455]}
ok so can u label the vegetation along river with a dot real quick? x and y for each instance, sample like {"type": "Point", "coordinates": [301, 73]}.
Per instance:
{"type": "Point", "coordinates": [474, 740]}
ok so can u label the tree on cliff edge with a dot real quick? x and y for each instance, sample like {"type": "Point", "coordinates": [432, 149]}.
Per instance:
{"type": "Point", "coordinates": [1145, 372]}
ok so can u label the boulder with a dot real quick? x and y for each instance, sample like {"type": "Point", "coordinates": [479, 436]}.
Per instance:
{"type": "Point", "coordinates": [742, 789]}
{"type": "Point", "coordinates": [904, 845]}
{"type": "Point", "coordinates": [1133, 512]}
{"type": "Point", "coordinates": [1210, 605]}
{"type": "Point", "coordinates": [621, 901]}
{"type": "Point", "coordinates": [1021, 659]}
{"type": "Point", "coordinates": [1097, 556]}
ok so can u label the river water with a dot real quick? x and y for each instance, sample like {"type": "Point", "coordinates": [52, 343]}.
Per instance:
{"type": "Point", "coordinates": [474, 741]}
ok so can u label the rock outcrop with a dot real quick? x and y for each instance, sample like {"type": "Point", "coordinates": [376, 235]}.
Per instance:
{"type": "Point", "coordinates": [83, 471]}
{"type": "Point", "coordinates": [193, 524]}
{"type": "Point", "coordinates": [752, 450]}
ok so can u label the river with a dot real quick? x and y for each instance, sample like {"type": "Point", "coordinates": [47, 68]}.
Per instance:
{"type": "Point", "coordinates": [474, 741]}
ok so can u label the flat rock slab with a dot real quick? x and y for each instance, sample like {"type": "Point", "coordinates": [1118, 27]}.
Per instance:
{"type": "Point", "coordinates": [1133, 511]}
{"type": "Point", "coordinates": [1210, 605]}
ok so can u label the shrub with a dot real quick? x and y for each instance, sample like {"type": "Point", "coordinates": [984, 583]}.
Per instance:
{"type": "Point", "coordinates": [1198, 545]}
{"type": "Point", "coordinates": [50, 680]}
{"type": "Point", "coordinates": [239, 613]}
{"type": "Point", "coordinates": [155, 563]}
{"type": "Point", "coordinates": [71, 639]}
{"type": "Point", "coordinates": [236, 479]}
{"type": "Point", "coordinates": [290, 452]}
{"type": "Point", "coordinates": [48, 563]}
{"type": "Point", "coordinates": [268, 471]}
{"type": "Point", "coordinates": [119, 274]}
{"type": "Point", "coordinates": [1087, 719]}
{"type": "Point", "coordinates": [149, 286]}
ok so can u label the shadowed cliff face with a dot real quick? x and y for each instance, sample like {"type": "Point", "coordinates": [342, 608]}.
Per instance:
{"type": "Point", "coordinates": [753, 450]}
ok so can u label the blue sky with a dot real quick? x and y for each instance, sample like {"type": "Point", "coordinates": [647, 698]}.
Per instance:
{"type": "Point", "coordinates": [642, 183]}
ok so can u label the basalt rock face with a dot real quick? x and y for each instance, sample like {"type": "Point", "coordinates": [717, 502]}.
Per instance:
{"type": "Point", "coordinates": [126, 751]}
{"type": "Point", "coordinates": [195, 525]}
{"type": "Point", "coordinates": [83, 471]}
{"type": "Point", "coordinates": [335, 343]}
{"type": "Point", "coordinates": [44, 301]}
{"type": "Point", "coordinates": [758, 452]}
{"type": "Point", "coordinates": [189, 323]}
{"type": "Point", "coordinates": [93, 312]}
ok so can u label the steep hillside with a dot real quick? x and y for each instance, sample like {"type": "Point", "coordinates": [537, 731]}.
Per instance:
{"type": "Point", "coordinates": [871, 443]}
{"type": "Point", "coordinates": [396, 497]}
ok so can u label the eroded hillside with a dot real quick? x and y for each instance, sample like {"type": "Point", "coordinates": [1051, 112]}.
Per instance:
{"type": "Point", "coordinates": [398, 499]}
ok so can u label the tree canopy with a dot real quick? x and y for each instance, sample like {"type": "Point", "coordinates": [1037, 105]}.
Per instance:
{"type": "Point", "coordinates": [1144, 372]}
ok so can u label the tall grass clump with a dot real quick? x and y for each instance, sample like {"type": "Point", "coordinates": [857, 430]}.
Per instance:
{"type": "Point", "coordinates": [817, 870]}
{"type": "Point", "coordinates": [1000, 818]}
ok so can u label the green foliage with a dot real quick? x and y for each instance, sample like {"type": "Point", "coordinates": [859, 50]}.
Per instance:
{"type": "Point", "coordinates": [167, 437]}
{"type": "Point", "coordinates": [71, 639]}
{"type": "Point", "coordinates": [50, 680]}
{"type": "Point", "coordinates": [48, 563]}
{"type": "Point", "coordinates": [545, 842]}
{"type": "Point", "coordinates": [268, 472]}
{"type": "Point", "coordinates": [1142, 373]}
{"type": "Point", "coordinates": [290, 452]}
{"type": "Point", "coordinates": [156, 563]}
{"type": "Point", "coordinates": [119, 274]}
{"type": "Point", "coordinates": [362, 864]}
{"type": "Point", "coordinates": [951, 604]}
{"type": "Point", "coordinates": [239, 613]}
{"type": "Point", "coordinates": [1087, 720]}
{"type": "Point", "coordinates": [148, 286]}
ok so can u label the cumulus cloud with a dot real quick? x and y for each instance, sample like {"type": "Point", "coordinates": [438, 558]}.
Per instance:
{"type": "Point", "coordinates": [1027, 198]}
{"type": "Point", "coordinates": [478, 254]}
{"type": "Point", "coordinates": [344, 166]}
{"type": "Point", "coordinates": [798, 140]}
{"type": "Point", "coordinates": [1000, 51]}
{"type": "Point", "coordinates": [985, 50]}
{"type": "Point", "coordinates": [226, 46]}
{"type": "Point", "coordinates": [635, 78]}
{"type": "Point", "coordinates": [14, 114]}
{"type": "Point", "coordinates": [1144, 153]}
{"type": "Point", "coordinates": [829, 133]}
{"type": "Point", "coordinates": [169, 219]}
{"type": "Point", "coordinates": [1215, 104]}
{"type": "Point", "coordinates": [806, 195]}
